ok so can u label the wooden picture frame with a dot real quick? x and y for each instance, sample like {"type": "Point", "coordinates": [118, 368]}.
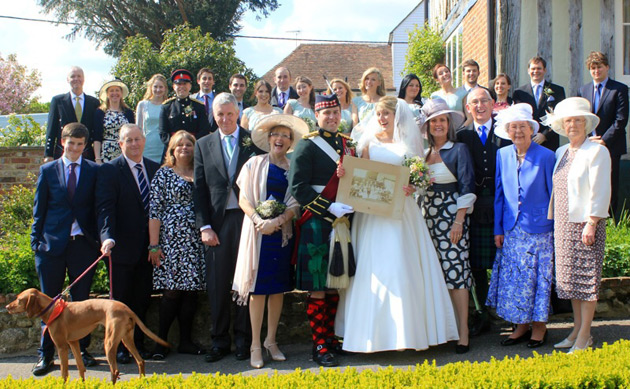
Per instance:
{"type": "Point", "coordinates": [373, 187]}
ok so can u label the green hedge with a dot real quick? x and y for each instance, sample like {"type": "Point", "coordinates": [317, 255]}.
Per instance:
{"type": "Point", "coordinates": [607, 367]}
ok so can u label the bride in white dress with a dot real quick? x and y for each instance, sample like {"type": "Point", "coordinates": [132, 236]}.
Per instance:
{"type": "Point", "coordinates": [398, 297]}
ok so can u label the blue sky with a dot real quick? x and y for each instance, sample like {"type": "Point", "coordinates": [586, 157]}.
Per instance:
{"type": "Point", "coordinates": [41, 46]}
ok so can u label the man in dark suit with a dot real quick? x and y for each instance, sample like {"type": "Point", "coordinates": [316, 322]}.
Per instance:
{"type": "Point", "coordinates": [64, 230]}
{"type": "Point", "coordinates": [483, 145]}
{"type": "Point", "coordinates": [609, 101]}
{"type": "Point", "coordinates": [122, 203]}
{"type": "Point", "coordinates": [283, 91]}
{"type": "Point", "coordinates": [541, 95]}
{"type": "Point", "coordinates": [238, 87]}
{"type": "Point", "coordinates": [219, 158]}
{"type": "Point", "coordinates": [205, 79]}
{"type": "Point", "coordinates": [71, 107]}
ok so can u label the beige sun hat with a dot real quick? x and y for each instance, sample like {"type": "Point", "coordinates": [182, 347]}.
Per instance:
{"type": "Point", "coordinates": [260, 134]}
{"type": "Point", "coordinates": [571, 107]}
{"type": "Point", "coordinates": [102, 94]}
{"type": "Point", "coordinates": [436, 107]}
{"type": "Point", "coordinates": [514, 113]}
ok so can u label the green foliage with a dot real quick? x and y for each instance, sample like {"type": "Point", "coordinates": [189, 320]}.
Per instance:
{"type": "Point", "coordinates": [606, 367]}
{"type": "Point", "coordinates": [36, 106]}
{"type": "Point", "coordinates": [22, 130]}
{"type": "Point", "coordinates": [617, 254]}
{"type": "Point", "coordinates": [426, 49]}
{"type": "Point", "coordinates": [183, 47]}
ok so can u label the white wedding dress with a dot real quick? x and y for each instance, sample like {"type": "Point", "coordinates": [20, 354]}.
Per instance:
{"type": "Point", "coordinates": [398, 298]}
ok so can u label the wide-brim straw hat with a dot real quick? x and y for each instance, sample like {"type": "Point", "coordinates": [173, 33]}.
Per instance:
{"type": "Point", "coordinates": [514, 113]}
{"type": "Point", "coordinates": [102, 94]}
{"type": "Point", "coordinates": [436, 107]}
{"type": "Point", "coordinates": [260, 134]}
{"type": "Point", "coordinates": [571, 107]}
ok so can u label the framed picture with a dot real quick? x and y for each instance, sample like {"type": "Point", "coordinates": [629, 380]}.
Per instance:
{"type": "Point", "coordinates": [373, 187]}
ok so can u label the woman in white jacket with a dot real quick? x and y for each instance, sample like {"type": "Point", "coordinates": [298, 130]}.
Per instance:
{"type": "Point", "coordinates": [581, 196]}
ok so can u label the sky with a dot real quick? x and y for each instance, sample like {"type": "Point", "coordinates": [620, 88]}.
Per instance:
{"type": "Point", "coordinates": [42, 46]}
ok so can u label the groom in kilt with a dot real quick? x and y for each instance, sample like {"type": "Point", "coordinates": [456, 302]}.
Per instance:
{"type": "Point", "coordinates": [313, 181]}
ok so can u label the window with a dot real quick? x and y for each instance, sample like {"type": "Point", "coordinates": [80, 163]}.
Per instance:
{"type": "Point", "coordinates": [454, 55]}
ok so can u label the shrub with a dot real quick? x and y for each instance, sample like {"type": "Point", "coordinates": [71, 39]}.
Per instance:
{"type": "Point", "coordinates": [22, 130]}
{"type": "Point", "coordinates": [426, 49]}
{"type": "Point", "coordinates": [617, 254]}
{"type": "Point", "coordinates": [602, 368]}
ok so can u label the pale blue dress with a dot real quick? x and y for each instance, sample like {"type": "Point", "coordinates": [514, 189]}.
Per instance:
{"type": "Point", "coordinates": [253, 117]}
{"type": "Point", "coordinates": [304, 113]}
{"type": "Point", "coordinates": [365, 110]}
{"type": "Point", "coordinates": [454, 101]}
{"type": "Point", "coordinates": [149, 120]}
{"type": "Point", "coordinates": [345, 126]}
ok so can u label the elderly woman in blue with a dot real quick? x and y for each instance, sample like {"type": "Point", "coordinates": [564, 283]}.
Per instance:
{"type": "Point", "coordinates": [520, 286]}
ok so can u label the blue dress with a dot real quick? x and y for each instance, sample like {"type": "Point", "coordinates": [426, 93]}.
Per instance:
{"type": "Point", "coordinates": [274, 266]}
{"type": "Point", "coordinates": [304, 113]}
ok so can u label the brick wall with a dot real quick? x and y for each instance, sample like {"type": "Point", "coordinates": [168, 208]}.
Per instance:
{"type": "Point", "coordinates": [475, 38]}
{"type": "Point", "coordinates": [16, 163]}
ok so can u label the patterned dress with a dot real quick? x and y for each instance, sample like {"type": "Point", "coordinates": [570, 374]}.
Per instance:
{"type": "Point", "coordinates": [439, 210]}
{"type": "Point", "coordinates": [183, 267]}
{"type": "Point", "coordinates": [111, 127]}
{"type": "Point", "coordinates": [274, 265]}
{"type": "Point", "coordinates": [578, 266]}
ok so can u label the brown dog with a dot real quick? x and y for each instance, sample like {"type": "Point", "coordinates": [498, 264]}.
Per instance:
{"type": "Point", "coordinates": [79, 319]}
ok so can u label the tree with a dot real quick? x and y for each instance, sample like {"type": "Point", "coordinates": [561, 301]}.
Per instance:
{"type": "Point", "coordinates": [183, 47]}
{"type": "Point", "coordinates": [426, 49]}
{"type": "Point", "coordinates": [110, 22]}
{"type": "Point", "coordinates": [17, 85]}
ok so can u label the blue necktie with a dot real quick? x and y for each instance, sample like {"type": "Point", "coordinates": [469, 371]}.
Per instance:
{"type": "Point", "coordinates": [144, 187]}
{"type": "Point", "coordinates": [537, 94]}
{"type": "Point", "coordinates": [229, 147]}
{"type": "Point", "coordinates": [598, 95]}
{"type": "Point", "coordinates": [483, 136]}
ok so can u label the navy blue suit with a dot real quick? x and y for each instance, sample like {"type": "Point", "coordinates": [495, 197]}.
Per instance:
{"type": "Point", "coordinates": [55, 250]}
{"type": "Point", "coordinates": [61, 113]}
{"type": "Point", "coordinates": [122, 217]}
{"type": "Point", "coordinates": [613, 118]}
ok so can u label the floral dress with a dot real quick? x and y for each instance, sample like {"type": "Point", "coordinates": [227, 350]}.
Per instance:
{"type": "Point", "coordinates": [111, 128]}
{"type": "Point", "coordinates": [183, 267]}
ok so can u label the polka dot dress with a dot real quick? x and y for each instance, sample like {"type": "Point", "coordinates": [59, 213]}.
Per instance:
{"type": "Point", "coordinates": [578, 266]}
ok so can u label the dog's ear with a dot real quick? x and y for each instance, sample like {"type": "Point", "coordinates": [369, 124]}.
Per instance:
{"type": "Point", "coordinates": [31, 305]}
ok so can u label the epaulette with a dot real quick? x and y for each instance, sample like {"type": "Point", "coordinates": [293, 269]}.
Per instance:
{"type": "Point", "coordinates": [199, 101]}
{"type": "Point", "coordinates": [169, 100]}
{"type": "Point", "coordinates": [310, 135]}
{"type": "Point", "coordinates": [341, 134]}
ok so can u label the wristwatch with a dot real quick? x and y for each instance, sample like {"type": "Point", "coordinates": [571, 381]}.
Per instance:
{"type": "Point", "coordinates": [154, 247]}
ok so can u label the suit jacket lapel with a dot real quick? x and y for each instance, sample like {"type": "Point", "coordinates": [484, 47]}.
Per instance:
{"type": "Point", "coordinates": [69, 107]}
{"type": "Point", "coordinates": [125, 170]}
{"type": "Point", "coordinates": [61, 176]}
{"type": "Point", "coordinates": [216, 153]}
{"type": "Point", "coordinates": [83, 178]}
{"type": "Point", "coordinates": [603, 97]}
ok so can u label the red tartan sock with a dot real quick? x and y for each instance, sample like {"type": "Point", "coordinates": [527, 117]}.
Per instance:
{"type": "Point", "coordinates": [316, 312]}
{"type": "Point", "coordinates": [332, 300]}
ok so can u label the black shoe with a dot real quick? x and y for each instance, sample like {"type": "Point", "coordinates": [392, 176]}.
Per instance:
{"type": "Point", "coordinates": [336, 348]}
{"type": "Point", "coordinates": [513, 341]}
{"type": "Point", "coordinates": [190, 348]}
{"type": "Point", "coordinates": [123, 357]}
{"type": "Point", "coordinates": [43, 366]}
{"type": "Point", "coordinates": [480, 323]}
{"type": "Point", "coordinates": [537, 343]}
{"type": "Point", "coordinates": [242, 353]}
{"type": "Point", "coordinates": [325, 359]}
{"type": "Point", "coordinates": [88, 360]}
{"type": "Point", "coordinates": [462, 348]}
{"type": "Point", "coordinates": [144, 354]}
{"type": "Point", "coordinates": [160, 352]}
{"type": "Point", "coordinates": [216, 354]}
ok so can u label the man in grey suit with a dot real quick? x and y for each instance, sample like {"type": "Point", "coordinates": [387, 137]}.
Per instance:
{"type": "Point", "coordinates": [609, 101]}
{"type": "Point", "coordinates": [219, 158]}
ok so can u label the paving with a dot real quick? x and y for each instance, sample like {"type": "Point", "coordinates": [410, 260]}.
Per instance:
{"type": "Point", "coordinates": [483, 348]}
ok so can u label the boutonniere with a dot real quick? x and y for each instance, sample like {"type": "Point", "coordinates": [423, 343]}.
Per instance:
{"type": "Point", "coordinates": [188, 110]}
{"type": "Point", "coordinates": [247, 141]}
{"type": "Point", "coordinates": [351, 147]}
{"type": "Point", "coordinates": [548, 91]}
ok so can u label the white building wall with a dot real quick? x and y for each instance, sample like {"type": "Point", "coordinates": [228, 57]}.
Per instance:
{"type": "Point", "coordinates": [401, 34]}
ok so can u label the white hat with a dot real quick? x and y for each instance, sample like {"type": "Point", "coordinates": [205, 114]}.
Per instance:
{"type": "Point", "coordinates": [102, 94]}
{"type": "Point", "coordinates": [436, 107]}
{"type": "Point", "coordinates": [514, 113]}
{"type": "Point", "coordinates": [260, 134]}
{"type": "Point", "coordinates": [571, 107]}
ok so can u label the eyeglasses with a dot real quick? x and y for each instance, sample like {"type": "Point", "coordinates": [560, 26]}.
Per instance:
{"type": "Point", "coordinates": [279, 135]}
{"type": "Point", "coordinates": [478, 102]}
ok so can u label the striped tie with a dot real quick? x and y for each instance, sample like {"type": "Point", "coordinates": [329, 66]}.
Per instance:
{"type": "Point", "coordinates": [144, 187]}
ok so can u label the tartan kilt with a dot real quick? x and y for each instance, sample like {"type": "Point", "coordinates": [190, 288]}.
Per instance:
{"type": "Point", "coordinates": [317, 232]}
{"type": "Point", "coordinates": [482, 247]}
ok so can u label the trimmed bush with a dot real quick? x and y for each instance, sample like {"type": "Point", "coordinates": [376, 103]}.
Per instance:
{"type": "Point", "coordinates": [601, 368]}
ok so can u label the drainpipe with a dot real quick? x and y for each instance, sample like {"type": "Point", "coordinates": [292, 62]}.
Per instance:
{"type": "Point", "coordinates": [492, 66]}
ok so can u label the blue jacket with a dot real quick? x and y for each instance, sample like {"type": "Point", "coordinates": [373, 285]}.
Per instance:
{"type": "Point", "coordinates": [523, 195]}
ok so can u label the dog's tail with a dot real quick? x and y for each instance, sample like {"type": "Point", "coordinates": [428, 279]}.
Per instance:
{"type": "Point", "coordinates": [148, 332]}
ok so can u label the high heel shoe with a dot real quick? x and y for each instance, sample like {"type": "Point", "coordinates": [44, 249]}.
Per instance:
{"type": "Point", "coordinates": [566, 343]}
{"type": "Point", "coordinates": [256, 358]}
{"type": "Point", "coordinates": [533, 343]}
{"type": "Point", "coordinates": [274, 351]}
{"type": "Point", "coordinates": [588, 345]}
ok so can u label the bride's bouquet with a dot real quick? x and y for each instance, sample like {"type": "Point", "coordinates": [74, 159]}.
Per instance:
{"type": "Point", "coordinates": [419, 175]}
{"type": "Point", "coordinates": [270, 209]}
